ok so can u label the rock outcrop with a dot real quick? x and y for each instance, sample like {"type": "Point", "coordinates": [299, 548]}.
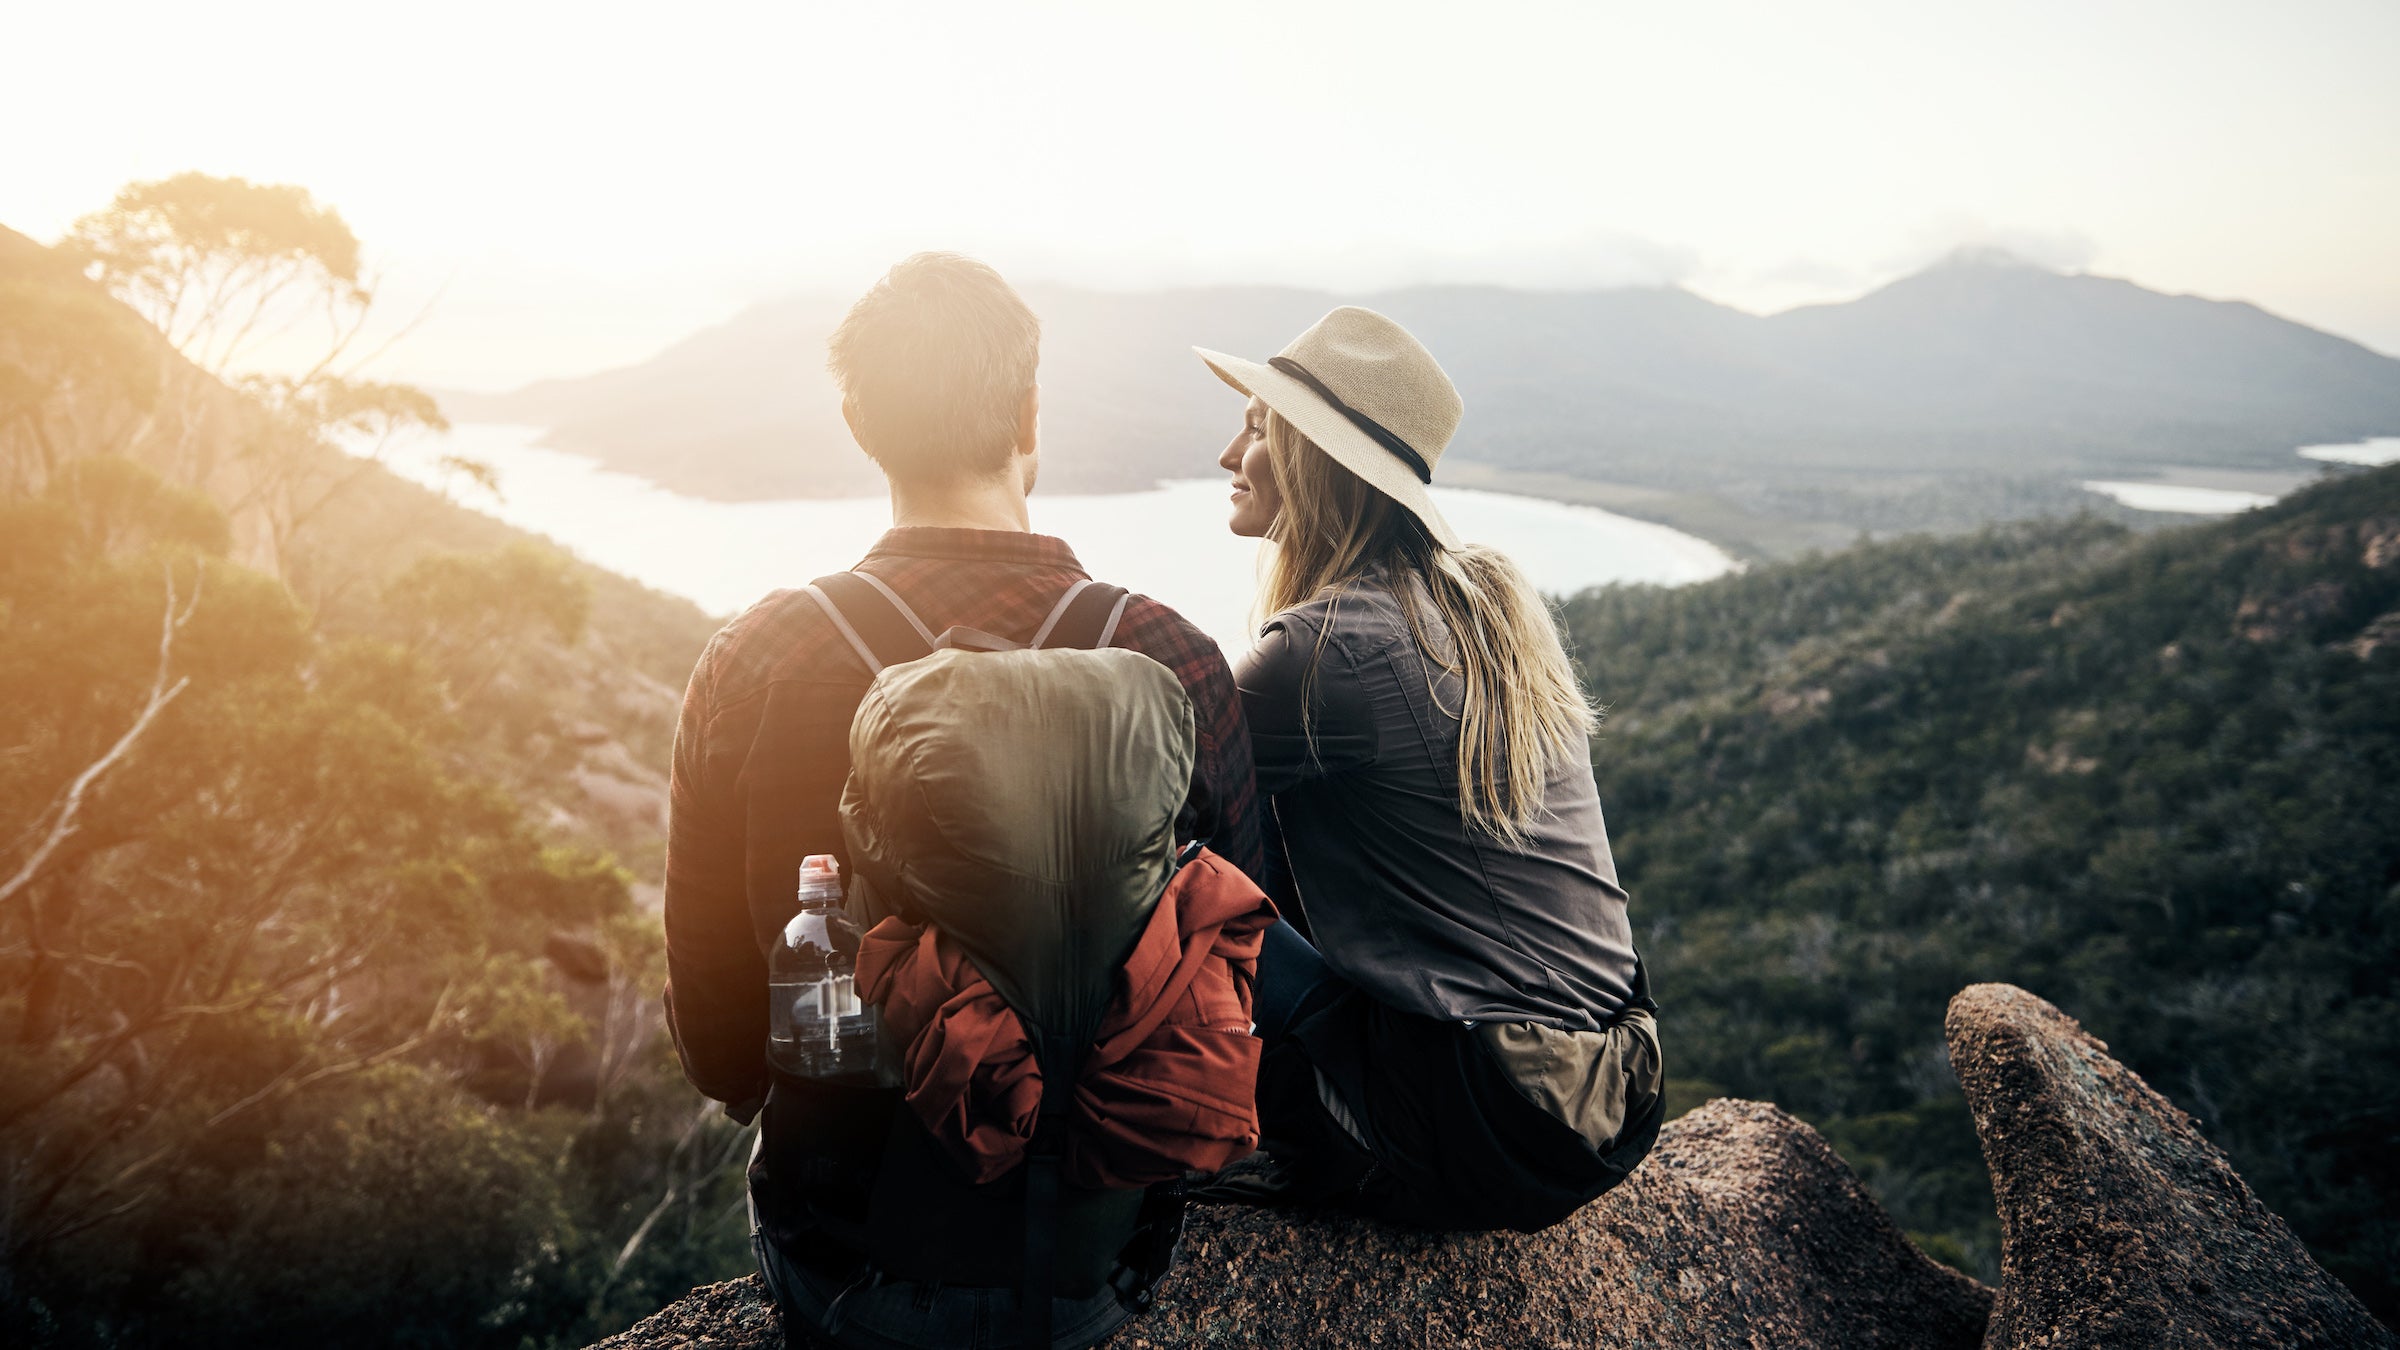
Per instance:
{"type": "Point", "coordinates": [2120, 1224]}
{"type": "Point", "coordinates": [1742, 1229]}
{"type": "Point", "coordinates": [2121, 1227]}
{"type": "Point", "coordinates": [735, 1315]}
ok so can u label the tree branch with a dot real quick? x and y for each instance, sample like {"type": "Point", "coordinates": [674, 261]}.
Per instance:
{"type": "Point", "coordinates": [665, 1202]}
{"type": "Point", "coordinates": [289, 1081]}
{"type": "Point", "coordinates": [423, 313]}
{"type": "Point", "coordinates": [70, 804]}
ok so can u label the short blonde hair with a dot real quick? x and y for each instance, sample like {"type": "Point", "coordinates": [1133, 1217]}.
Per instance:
{"type": "Point", "coordinates": [934, 363]}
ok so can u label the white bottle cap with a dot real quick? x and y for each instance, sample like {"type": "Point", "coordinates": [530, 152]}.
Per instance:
{"type": "Point", "coordinates": [820, 879]}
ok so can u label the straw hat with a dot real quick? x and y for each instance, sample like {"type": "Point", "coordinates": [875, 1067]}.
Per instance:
{"type": "Point", "coordinates": [1367, 394]}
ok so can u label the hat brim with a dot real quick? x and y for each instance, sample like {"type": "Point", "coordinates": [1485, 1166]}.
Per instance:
{"type": "Point", "coordinates": [1336, 435]}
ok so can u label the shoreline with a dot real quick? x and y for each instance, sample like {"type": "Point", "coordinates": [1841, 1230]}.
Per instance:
{"type": "Point", "coordinates": [1747, 536]}
{"type": "Point", "coordinates": [1744, 534]}
{"type": "Point", "coordinates": [1166, 540]}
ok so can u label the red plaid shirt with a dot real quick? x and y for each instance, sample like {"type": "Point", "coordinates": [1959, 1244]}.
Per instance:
{"type": "Point", "coordinates": [764, 746]}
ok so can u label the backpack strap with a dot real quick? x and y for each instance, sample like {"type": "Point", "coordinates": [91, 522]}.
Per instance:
{"type": "Point", "coordinates": [1059, 1058]}
{"type": "Point", "coordinates": [1085, 618]}
{"type": "Point", "coordinates": [1151, 1254]}
{"type": "Point", "coordinates": [873, 619]}
{"type": "Point", "coordinates": [884, 631]}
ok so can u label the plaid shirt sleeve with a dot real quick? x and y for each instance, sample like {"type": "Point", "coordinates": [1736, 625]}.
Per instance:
{"type": "Point", "coordinates": [716, 977]}
{"type": "Point", "coordinates": [1223, 806]}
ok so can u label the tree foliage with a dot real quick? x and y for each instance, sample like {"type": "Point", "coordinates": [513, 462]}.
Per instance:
{"type": "Point", "coordinates": [68, 358]}
{"type": "Point", "coordinates": [225, 270]}
{"type": "Point", "coordinates": [309, 1032]}
{"type": "Point", "coordinates": [247, 1006]}
{"type": "Point", "coordinates": [2152, 779]}
{"type": "Point", "coordinates": [218, 264]}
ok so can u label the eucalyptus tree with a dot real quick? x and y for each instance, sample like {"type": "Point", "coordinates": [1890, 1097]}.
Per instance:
{"type": "Point", "coordinates": [259, 287]}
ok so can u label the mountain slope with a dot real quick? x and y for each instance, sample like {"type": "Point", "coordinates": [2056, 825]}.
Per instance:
{"type": "Point", "coordinates": [2153, 778]}
{"type": "Point", "coordinates": [1977, 369]}
{"type": "Point", "coordinates": [586, 733]}
{"type": "Point", "coordinates": [331, 1014]}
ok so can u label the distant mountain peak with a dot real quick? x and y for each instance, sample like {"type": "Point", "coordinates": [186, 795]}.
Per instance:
{"type": "Point", "coordinates": [1992, 257]}
{"type": "Point", "coordinates": [1987, 364]}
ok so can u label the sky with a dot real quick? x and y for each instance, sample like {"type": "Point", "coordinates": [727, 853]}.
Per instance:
{"type": "Point", "coordinates": [553, 189]}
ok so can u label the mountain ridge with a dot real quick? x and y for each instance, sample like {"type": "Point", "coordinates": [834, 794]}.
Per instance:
{"type": "Point", "coordinates": [1975, 371]}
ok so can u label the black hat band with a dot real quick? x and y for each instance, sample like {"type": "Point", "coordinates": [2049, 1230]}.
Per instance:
{"type": "Point", "coordinates": [1369, 425]}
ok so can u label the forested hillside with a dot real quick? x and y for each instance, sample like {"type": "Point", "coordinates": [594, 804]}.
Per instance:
{"type": "Point", "coordinates": [2155, 779]}
{"type": "Point", "coordinates": [327, 996]}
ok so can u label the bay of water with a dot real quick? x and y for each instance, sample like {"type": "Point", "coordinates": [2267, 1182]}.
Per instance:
{"type": "Point", "coordinates": [1169, 543]}
{"type": "Point", "coordinates": [2191, 500]}
{"type": "Point", "coordinates": [2182, 500]}
{"type": "Point", "coordinates": [2379, 450]}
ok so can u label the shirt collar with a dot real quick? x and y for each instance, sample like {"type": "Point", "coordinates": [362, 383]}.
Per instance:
{"type": "Point", "coordinates": [958, 545]}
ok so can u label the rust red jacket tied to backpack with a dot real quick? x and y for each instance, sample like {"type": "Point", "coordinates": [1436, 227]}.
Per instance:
{"type": "Point", "coordinates": [1160, 1091]}
{"type": "Point", "coordinates": [1072, 977]}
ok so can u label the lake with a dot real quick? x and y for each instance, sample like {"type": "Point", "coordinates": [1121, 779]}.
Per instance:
{"type": "Point", "coordinates": [2379, 450]}
{"type": "Point", "coordinates": [2180, 498]}
{"type": "Point", "coordinates": [2197, 499]}
{"type": "Point", "coordinates": [1169, 543]}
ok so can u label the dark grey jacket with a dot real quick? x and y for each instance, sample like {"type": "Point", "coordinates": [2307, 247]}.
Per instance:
{"type": "Point", "coordinates": [1400, 896]}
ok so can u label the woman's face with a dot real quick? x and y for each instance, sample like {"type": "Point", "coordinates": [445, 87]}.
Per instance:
{"type": "Point", "coordinates": [1256, 497]}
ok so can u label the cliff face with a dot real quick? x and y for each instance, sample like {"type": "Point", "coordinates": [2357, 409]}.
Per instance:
{"type": "Point", "coordinates": [2122, 1227]}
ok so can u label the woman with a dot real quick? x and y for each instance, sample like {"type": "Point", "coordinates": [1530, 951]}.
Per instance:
{"type": "Point", "coordinates": [1463, 1037]}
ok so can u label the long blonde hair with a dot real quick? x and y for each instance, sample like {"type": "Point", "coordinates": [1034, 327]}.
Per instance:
{"type": "Point", "coordinates": [1522, 711]}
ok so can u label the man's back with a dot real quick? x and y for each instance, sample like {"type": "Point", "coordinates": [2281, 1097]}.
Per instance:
{"type": "Point", "coordinates": [763, 749]}
{"type": "Point", "coordinates": [937, 366]}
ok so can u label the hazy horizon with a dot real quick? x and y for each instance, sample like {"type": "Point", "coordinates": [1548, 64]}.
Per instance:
{"type": "Point", "coordinates": [830, 296]}
{"type": "Point", "coordinates": [570, 193]}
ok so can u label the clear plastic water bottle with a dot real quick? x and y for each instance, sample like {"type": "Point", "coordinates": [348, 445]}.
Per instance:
{"type": "Point", "coordinates": [817, 1026]}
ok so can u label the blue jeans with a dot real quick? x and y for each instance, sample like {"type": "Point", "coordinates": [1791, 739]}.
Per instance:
{"type": "Point", "coordinates": [1293, 983]}
{"type": "Point", "coordinates": [901, 1315]}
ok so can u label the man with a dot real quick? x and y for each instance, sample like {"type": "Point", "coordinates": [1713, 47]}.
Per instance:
{"type": "Point", "coordinates": [936, 367]}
